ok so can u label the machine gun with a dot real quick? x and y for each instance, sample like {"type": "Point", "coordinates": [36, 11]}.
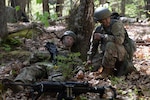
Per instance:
{"type": "Point", "coordinates": [66, 90]}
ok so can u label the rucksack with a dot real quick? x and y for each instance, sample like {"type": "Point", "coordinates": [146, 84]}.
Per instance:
{"type": "Point", "coordinates": [129, 44]}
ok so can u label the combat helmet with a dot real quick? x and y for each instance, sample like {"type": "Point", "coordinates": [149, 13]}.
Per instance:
{"type": "Point", "coordinates": [69, 33]}
{"type": "Point", "coordinates": [101, 13]}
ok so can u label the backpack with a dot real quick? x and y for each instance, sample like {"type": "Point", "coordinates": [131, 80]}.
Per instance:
{"type": "Point", "coordinates": [129, 44]}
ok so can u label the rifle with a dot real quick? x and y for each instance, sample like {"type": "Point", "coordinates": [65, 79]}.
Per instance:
{"type": "Point", "coordinates": [51, 47]}
{"type": "Point", "coordinates": [66, 90]}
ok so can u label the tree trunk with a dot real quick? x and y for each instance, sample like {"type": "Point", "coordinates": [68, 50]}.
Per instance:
{"type": "Point", "coordinates": [28, 7]}
{"type": "Point", "coordinates": [59, 7]}
{"type": "Point", "coordinates": [45, 6]}
{"type": "Point", "coordinates": [21, 13]}
{"type": "Point", "coordinates": [102, 2]}
{"type": "Point", "coordinates": [147, 6]}
{"type": "Point", "coordinates": [3, 21]}
{"type": "Point", "coordinates": [123, 2]}
{"type": "Point", "coordinates": [81, 22]}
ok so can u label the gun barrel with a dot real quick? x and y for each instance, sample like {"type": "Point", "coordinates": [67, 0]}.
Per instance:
{"type": "Point", "coordinates": [53, 86]}
{"type": "Point", "coordinates": [66, 89]}
{"type": "Point", "coordinates": [77, 90]}
{"type": "Point", "coordinates": [77, 87]}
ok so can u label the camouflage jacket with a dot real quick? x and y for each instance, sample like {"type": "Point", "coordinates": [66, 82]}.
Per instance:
{"type": "Point", "coordinates": [66, 61]}
{"type": "Point", "coordinates": [114, 33]}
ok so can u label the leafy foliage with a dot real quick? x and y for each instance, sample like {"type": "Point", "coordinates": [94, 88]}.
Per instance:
{"type": "Point", "coordinates": [53, 16]}
{"type": "Point", "coordinates": [131, 10]}
{"type": "Point", "coordinates": [68, 63]}
{"type": "Point", "coordinates": [9, 43]}
{"type": "Point", "coordinates": [116, 80]}
{"type": "Point", "coordinates": [43, 18]}
{"type": "Point", "coordinates": [38, 1]}
{"type": "Point", "coordinates": [17, 8]}
{"type": "Point", "coordinates": [6, 47]}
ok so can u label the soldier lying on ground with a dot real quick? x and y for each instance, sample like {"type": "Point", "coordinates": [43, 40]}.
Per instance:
{"type": "Point", "coordinates": [116, 47]}
{"type": "Point", "coordinates": [53, 72]}
{"type": "Point", "coordinates": [115, 15]}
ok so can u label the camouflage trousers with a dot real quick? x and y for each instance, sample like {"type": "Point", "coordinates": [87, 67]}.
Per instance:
{"type": "Point", "coordinates": [113, 52]}
{"type": "Point", "coordinates": [115, 57]}
{"type": "Point", "coordinates": [39, 71]}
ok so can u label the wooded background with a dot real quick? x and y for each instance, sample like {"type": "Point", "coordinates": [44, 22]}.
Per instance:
{"type": "Point", "coordinates": [78, 14]}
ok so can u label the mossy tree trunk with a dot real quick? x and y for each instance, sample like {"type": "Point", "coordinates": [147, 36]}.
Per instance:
{"type": "Point", "coordinates": [81, 22]}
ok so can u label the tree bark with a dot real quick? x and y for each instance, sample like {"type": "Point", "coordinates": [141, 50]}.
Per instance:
{"type": "Point", "coordinates": [45, 6]}
{"type": "Point", "coordinates": [59, 7]}
{"type": "Point", "coordinates": [147, 7]}
{"type": "Point", "coordinates": [123, 2]}
{"type": "Point", "coordinates": [21, 13]}
{"type": "Point", "coordinates": [81, 22]}
{"type": "Point", "coordinates": [102, 2]}
{"type": "Point", "coordinates": [3, 21]}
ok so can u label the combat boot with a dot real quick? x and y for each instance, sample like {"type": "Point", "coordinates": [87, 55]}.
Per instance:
{"type": "Point", "coordinates": [14, 86]}
{"type": "Point", "coordinates": [107, 72]}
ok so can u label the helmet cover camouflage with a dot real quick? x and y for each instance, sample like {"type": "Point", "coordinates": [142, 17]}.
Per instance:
{"type": "Point", "coordinates": [101, 13]}
{"type": "Point", "coordinates": [69, 33]}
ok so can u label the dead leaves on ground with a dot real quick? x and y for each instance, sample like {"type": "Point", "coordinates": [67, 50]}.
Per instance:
{"type": "Point", "coordinates": [135, 86]}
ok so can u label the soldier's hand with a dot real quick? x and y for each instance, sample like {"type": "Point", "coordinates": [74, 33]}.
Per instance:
{"type": "Point", "coordinates": [80, 74]}
{"type": "Point", "coordinates": [98, 36]}
{"type": "Point", "coordinates": [88, 62]}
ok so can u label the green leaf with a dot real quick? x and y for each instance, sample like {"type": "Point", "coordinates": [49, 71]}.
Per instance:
{"type": "Point", "coordinates": [38, 1]}
{"type": "Point", "coordinates": [43, 18]}
{"type": "Point", "coordinates": [17, 8]}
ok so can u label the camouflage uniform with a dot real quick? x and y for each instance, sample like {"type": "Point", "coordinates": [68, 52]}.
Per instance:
{"type": "Point", "coordinates": [111, 45]}
{"type": "Point", "coordinates": [45, 69]}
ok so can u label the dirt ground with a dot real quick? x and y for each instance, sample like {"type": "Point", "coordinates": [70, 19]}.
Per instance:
{"type": "Point", "coordinates": [135, 86]}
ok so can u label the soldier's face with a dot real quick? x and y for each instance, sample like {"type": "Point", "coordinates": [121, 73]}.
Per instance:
{"type": "Point", "coordinates": [68, 41]}
{"type": "Point", "coordinates": [105, 22]}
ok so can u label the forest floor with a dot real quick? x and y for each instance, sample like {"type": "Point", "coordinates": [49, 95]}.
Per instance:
{"type": "Point", "coordinates": [135, 86]}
